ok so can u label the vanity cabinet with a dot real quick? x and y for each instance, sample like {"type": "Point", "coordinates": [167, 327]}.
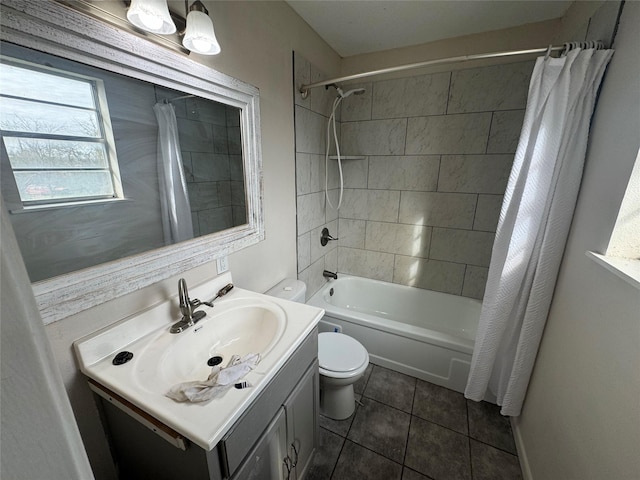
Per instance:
{"type": "Point", "coordinates": [275, 438]}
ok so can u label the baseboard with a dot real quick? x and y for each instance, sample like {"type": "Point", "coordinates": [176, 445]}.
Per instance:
{"type": "Point", "coordinates": [522, 452]}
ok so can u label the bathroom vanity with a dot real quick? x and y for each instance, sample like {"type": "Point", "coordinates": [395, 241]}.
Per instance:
{"type": "Point", "coordinates": [266, 431]}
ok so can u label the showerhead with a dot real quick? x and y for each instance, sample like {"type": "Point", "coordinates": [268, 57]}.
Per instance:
{"type": "Point", "coordinates": [355, 91]}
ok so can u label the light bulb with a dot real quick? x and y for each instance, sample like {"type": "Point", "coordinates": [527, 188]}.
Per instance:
{"type": "Point", "coordinates": [152, 16]}
{"type": "Point", "coordinates": [150, 21]}
{"type": "Point", "coordinates": [199, 36]}
{"type": "Point", "coordinates": [201, 44]}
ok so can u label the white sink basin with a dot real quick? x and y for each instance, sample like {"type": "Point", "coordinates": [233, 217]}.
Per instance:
{"type": "Point", "coordinates": [169, 359]}
{"type": "Point", "coordinates": [242, 322]}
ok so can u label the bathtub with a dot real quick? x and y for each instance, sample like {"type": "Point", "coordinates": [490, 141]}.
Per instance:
{"type": "Point", "coordinates": [426, 334]}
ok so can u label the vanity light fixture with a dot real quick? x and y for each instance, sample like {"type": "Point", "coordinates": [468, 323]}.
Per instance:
{"type": "Point", "coordinates": [199, 36]}
{"type": "Point", "coordinates": [152, 16]}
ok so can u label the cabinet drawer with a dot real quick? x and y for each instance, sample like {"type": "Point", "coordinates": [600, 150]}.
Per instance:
{"type": "Point", "coordinates": [237, 443]}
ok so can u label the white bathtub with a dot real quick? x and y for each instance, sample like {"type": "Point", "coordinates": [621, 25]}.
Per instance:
{"type": "Point", "coordinates": [426, 334]}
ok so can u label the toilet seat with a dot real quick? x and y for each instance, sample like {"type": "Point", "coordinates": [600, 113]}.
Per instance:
{"type": "Point", "coordinates": [341, 356]}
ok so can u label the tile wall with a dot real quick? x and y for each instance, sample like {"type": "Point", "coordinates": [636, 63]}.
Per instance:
{"type": "Point", "coordinates": [421, 206]}
{"type": "Point", "coordinates": [211, 150]}
{"type": "Point", "coordinates": [311, 116]}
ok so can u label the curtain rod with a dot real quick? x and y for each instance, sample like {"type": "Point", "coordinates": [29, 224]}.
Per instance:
{"type": "Point", "coordinates": [304, 89]}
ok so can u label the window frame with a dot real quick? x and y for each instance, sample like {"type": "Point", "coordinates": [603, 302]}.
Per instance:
{"type": "Point", "coordinates": [106, 138]}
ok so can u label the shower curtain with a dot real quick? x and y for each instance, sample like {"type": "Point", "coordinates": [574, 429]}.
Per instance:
{"type": "Point", "coordinates": [174, 198]}
{"type": "Point", "coordinates": [534, 224]}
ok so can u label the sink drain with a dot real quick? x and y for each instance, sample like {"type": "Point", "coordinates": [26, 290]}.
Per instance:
{"type": "Point", "coordinates": [213, 361]}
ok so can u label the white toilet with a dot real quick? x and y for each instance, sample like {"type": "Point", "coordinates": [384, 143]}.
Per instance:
{"type": "Point", "coordinates": [343, 360]}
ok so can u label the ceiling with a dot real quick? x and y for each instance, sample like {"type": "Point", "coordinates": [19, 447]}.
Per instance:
{"type": "Point", "coordinates": [353, 27]}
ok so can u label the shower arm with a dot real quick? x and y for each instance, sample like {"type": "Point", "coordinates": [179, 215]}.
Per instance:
{"type": "Point", "coordinates": [305, 89]}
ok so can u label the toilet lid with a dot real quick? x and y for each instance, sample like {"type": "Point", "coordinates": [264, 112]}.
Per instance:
{"type": "Point", "coordinates": [340, 353]}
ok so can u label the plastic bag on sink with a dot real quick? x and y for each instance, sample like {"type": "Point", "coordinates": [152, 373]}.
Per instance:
{"type": "Point", "coordinates": [219, 381]}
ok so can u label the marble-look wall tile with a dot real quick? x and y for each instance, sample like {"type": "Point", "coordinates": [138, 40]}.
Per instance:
{"type": "Point", "coordinates": [351, 233]}
{"type": "Point", "coordinates": [210, 167]}
{"type": "Point", "coordinates": [411, 240]}
{"type": "Point", "coordinates": [301, 76]}
{"type": "Point", "coordinates": [304, 251]}
{"type": "Point", "coordinates": [497, 87]}
{"type": "Point", "coordinates": [238, 194]}
{"type": "Point", "coordinates": [454, 210]}
{"type": "Point", "coordinates": [380, 205]}
{"type": "Point", "coordinates": [195, 136]}
{"type": "Point", "coordinates": [303, 173]}
{"type": "Point", "coordinates": [475, 279]}
{"type": "Point", "coordinates": [474, 173]}
{"type": "Point", "coordinates": [203, 195]}
{"type": "Point", "coordinates": [234, 139]}
{"type": "Point", "coordinates": [461, 246]}
{"type": "Point", "coordinates": [411, 97]}
{"type": "Point", "coordinates": [232, 115]}
{"type": "Point", "coordinates": [429, 274]}
{"type": "Point", "coordinates": [375, 137]}
{"type": "Point", "coordinates": [321, 98]}
{"type": "Point", "coordinates": [239, 214]}
{"type": "Point", "coordinates": [331, 260]}
{"type": "Point", "coordinates": [236, 169]}
{"type": "Point", "coordinates": [205, 110]}
{"type": "Point", "coordinates": [488, 212]}
{"type": "Point", "coordinates": [220, 139]}
{"type": "Point", "coordinates": [331, 214]}
{"type": "Point", "coordinates": [355, 173]}
{"type": "Point", "coordinates": [404, 173]}
{"type": "Point", "coordinates": [215, 220]}
{"type": "Point", "coordinates": [224, 193]}
{"type": "Point", "coordinates": [365, 263]}
{"type": "Point", "coordinates": [448, 134]}
{"type": "Point", "coordinates": [310, 131]}
{"type": "Point", "coordinates": [317, 250]}
{"type": "Point", "coordinates": [312, 277]}
{"type": "Point", "coordinates": [187, 166]}
{"type": "Point", "coordinates": [309, 173]}
{"type": "Point", "coordinates": [310, 211]}
{"type": "Point", "coordinates": [505, 131]}
{"type": "Point", "coordinates": [357, 107]}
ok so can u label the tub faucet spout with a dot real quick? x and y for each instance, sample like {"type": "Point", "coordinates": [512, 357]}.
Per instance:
{"type": "Point", "coordinates": [328, 274]}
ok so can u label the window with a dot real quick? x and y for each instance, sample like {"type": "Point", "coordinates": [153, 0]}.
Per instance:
{"type": "Point", "coordinates": [56, 134]}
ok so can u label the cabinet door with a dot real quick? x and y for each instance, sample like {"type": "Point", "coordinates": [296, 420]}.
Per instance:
{"type": "Point", "coordinates": [302, 421]}
{"type": "Point", "coordinates": [267, 459]}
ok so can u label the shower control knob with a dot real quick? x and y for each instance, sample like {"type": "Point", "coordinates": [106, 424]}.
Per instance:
{"type": "Point", "coordinates": [325, 237]}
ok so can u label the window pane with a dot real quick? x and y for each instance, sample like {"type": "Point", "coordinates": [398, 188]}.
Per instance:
{"type": "Point", "coordinates": [47, 185]}
{"type": "Point", "coordinates": [51, 154]}
{"type": "Point", "coordinates": [26, 83]}
{"type": "Point", "coordinates": [25, 116]}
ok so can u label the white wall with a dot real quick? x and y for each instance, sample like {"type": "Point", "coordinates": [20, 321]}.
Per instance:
{"type": "Point", "coordinates": [581, 417]}
{"type": "Point", "coordinates": [257, 40]}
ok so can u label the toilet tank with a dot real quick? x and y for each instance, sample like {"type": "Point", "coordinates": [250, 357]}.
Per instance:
{"type": "Point", "coordinates": [289, 289]}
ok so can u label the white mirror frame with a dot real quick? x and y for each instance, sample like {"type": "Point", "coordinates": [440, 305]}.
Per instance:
{"type": "Point", "coordinates": [35, 24]}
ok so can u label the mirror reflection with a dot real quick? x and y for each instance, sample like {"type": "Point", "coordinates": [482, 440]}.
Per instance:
{"type": "Point", "coordinates": [97, 166]}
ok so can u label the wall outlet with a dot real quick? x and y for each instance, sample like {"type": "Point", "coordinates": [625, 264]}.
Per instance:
{"type": "Point", "coordinates": [222, 264]}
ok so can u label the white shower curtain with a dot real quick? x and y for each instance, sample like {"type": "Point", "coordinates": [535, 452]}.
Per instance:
{"type": "Point", "coordinates": [534, 224]}
{"type": "Point", "coordinates": [174, 198]}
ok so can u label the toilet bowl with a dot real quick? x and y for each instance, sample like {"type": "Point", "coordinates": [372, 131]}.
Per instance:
{"type": "Point", "coordinates": [343, 360]}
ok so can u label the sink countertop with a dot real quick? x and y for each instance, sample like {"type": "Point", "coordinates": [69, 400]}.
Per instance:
{"type": "Point", "coordinates": [204, 424]}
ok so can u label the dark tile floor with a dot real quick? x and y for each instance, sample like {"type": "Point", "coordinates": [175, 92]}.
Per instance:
{"type": "Point", "coordinates": [408, 429]}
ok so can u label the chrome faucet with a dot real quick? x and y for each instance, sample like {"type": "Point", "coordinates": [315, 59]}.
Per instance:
{"type": "Point", "coordinates": [187, 307]}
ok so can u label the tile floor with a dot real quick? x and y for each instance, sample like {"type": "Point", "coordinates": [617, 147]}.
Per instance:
{"type": "Point", "coordinates": [408, 429]}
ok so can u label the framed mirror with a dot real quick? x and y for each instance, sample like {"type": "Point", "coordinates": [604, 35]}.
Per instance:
{"type": "Point", "coordinates": [123, 163]}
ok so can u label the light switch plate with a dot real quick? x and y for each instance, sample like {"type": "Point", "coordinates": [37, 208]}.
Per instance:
{"type": "Point", "coordinates": [222, 264]}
